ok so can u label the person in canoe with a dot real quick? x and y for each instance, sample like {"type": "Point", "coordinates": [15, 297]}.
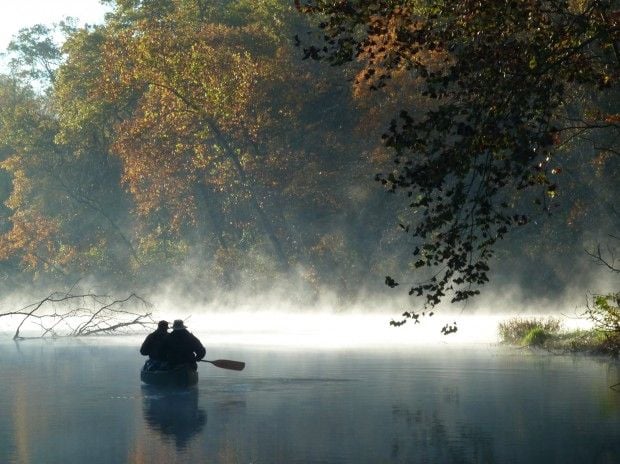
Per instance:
{"type": "Point", "coordinates": [153, 347]}
{"type": "Point", "coordinates": [181, 347]}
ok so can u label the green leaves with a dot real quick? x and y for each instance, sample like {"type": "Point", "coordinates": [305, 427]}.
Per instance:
{"type": "Point", "coordinates": [497, 78]}
{"type": "Point", "coordinates": [35, 55]}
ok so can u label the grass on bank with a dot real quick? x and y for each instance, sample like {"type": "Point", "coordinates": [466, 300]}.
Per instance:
{"type": "Point", "coordinates": [548, 333]}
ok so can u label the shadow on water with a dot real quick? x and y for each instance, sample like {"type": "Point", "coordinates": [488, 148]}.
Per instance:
{"type": "Point", "coordinates": [174, 413]}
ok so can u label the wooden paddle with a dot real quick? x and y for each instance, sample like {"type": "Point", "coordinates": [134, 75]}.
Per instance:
{"type": "Point", "coordinates": [226, 364]}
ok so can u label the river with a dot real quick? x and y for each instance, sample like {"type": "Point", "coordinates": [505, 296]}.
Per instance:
{"type": "Point", "coordinates": [81, 401]}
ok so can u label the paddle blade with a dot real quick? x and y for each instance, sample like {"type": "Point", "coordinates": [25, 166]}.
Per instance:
{"type": "Point", "coordinates": [228, 364]}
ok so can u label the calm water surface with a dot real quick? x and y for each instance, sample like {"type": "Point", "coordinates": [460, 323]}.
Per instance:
{"type": "Point", "coordinates": [82, 402]}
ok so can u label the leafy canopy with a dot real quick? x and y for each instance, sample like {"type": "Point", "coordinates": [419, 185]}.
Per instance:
{"type": "Point", "coordinates": [508, 88]}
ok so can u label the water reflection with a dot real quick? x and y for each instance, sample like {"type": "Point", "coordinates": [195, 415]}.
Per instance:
{"type": "Point", "coordinates": [64, 402]}
{"type": "Point", "coordinates": [174, 413]}
{"type": "Point", "coordinates": [424, 436]}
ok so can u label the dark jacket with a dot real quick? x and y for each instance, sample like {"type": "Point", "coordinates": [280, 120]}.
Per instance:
{"type": "Point", "coordinates": [182, 347]}
{"type": "Point", "coordinates": [153, 345]}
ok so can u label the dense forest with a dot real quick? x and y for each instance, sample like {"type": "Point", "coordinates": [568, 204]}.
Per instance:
{"type": "Point", "coordinates": [233, 146]}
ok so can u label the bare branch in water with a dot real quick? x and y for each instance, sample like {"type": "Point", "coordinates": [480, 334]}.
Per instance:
{"type": "Point", "coordinates": [68, 314]}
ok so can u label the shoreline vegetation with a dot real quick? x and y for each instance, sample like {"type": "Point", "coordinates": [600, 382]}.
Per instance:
{"type": "Point", "coordinates": [549, 334]}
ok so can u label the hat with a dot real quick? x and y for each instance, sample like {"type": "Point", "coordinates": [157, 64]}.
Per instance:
{"type": "Point", "coordinates": [162, 325]}
{"type": "Point", "coordinates": [178, 325]}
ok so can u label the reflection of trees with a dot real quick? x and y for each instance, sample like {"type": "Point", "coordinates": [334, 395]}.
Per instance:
{"type": "Point", "coordinates": [174, 413]}
{"type": "Point", "coordinates": [428, 439]}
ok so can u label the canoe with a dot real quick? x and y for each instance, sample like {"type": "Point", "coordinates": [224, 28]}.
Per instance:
{"type": "Point", "coordinates": [181, 376]}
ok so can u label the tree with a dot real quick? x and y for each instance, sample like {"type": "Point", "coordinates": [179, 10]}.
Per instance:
{"type": "Point", "coordinates": [196, 118]}
{"type": "Point", "coordinates": [60, 218]}
{"type": "Point", "coordinates": [507, 91]}
{"type": "Point", "coordinates": [85, 126]}
{"type": "Point", "coordinates": [35, 54]}
{"type": "Point", "coordinates": [187, 132]}
{"type": "Point", "coordinates": [233, 137]}
{"type": "Point", "coordinates": [25, 135]}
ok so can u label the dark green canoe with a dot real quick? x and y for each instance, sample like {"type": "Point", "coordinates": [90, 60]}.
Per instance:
{"type": "Point", "coordinates": [180, 376]}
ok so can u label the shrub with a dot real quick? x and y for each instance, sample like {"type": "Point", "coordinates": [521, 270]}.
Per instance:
{"type": "Point", "coordinates": [536, 337]}
{"type": "Point", "coordinates": [516, 329]}
{"type": "Point", "coordinates": [604, 312]}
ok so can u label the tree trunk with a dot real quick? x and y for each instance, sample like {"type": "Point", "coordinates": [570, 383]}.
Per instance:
{"type": "Point", "coordinates": [260, 212]}
{"type": "Point", "coordinates": [211, 216]}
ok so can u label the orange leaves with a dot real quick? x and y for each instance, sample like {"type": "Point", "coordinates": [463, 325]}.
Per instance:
{"type": "Point", "coordinates": [33, 237]}
{"type": "Point", "coordinates": [612, 118]}
{"type": "Point", "coordinates": [387, 52]}
{"type": "Point", "coordinates": [21, 183]}
{"type": "Point", "coordinates": [156, 147]}
{"type": "Point", "coordinates": [195, 88]}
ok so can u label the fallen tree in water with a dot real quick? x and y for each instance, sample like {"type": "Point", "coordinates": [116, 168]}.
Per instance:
{"type": "Point", "coordinates": [68, 314]}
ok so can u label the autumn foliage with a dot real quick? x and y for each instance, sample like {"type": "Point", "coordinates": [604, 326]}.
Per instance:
{"type": "Point", "coordinates": [232, 145]}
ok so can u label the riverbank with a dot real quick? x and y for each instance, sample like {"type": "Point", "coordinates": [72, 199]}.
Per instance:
{"type": "Point", "coordinates": [549, 334]}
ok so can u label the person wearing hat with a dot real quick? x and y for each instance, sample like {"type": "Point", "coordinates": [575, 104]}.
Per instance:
{"type": "Point", "coordinates": [153, 347]}
{"type": "Point", "coordinates": [181, 347]}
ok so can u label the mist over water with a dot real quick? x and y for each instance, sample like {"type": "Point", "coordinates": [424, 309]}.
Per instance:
{"type": "Point", "coordinates": [336, 331]}
{"type": "Point", "coordinates": [321, 329]}
{"type": "Point", "coordinates": [290, 320]}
